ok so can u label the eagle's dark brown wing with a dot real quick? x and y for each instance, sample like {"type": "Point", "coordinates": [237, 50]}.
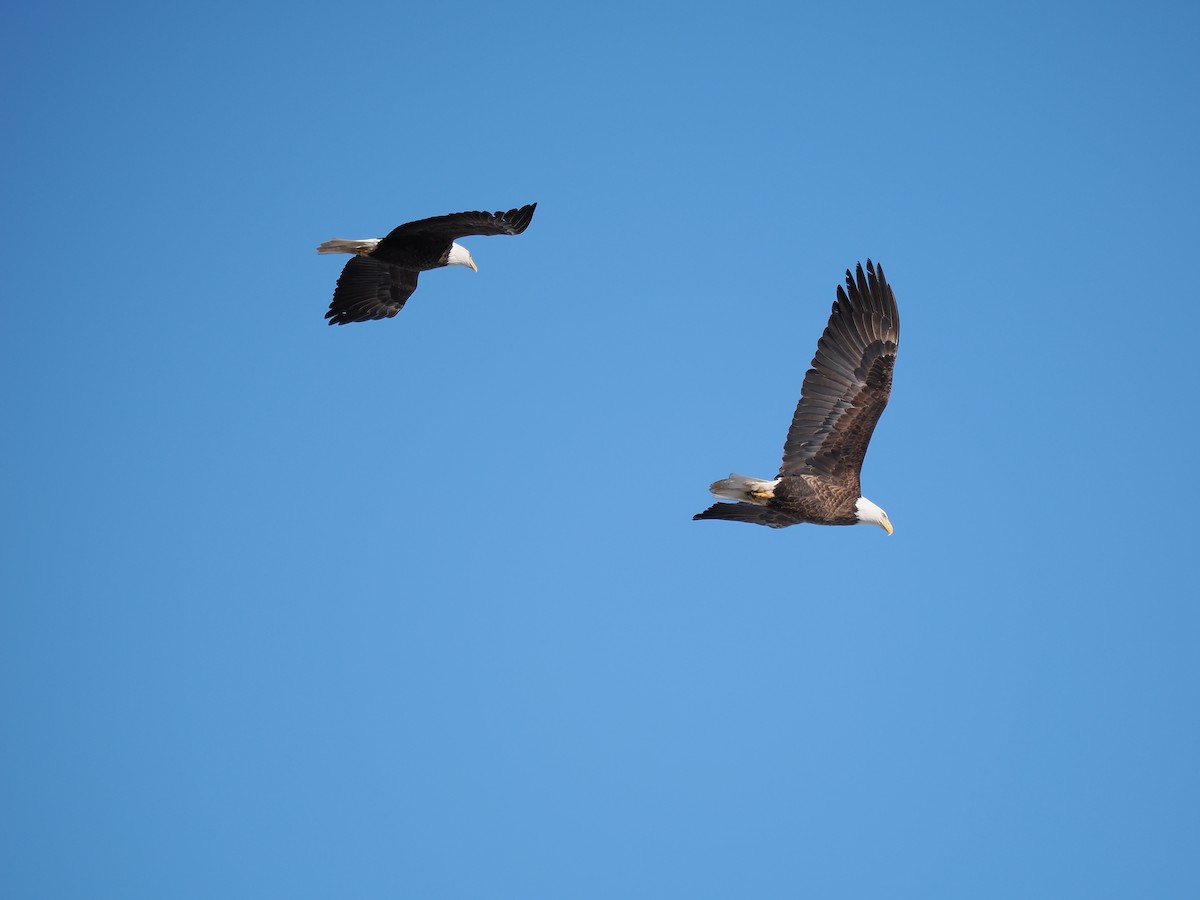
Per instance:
{"type": "Point", "coordinates": [748, 512]}
{"type": "Point", "coordinates": [848, 386]}
{"type": "Point", "coordinates": [457, 225]}
{"type": "Point", "coordinates": [368, 289]}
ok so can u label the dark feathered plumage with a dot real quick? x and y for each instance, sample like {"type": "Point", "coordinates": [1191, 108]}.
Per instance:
{"type": "Point", "coordinates": [383, 274]}
{"type": "Point", "coordinates": [843, 395]}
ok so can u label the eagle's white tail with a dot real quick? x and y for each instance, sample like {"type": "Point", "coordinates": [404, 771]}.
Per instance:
{"type": "Point", "coordinates": [358, 248]}
{"type": "Point", "coordinates": [743, 487]}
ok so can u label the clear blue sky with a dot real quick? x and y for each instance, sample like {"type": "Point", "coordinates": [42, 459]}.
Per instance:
{"type": "Point", "coordinates": [417, 608]}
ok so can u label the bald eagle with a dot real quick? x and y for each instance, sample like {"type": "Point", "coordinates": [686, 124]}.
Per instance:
{"type": "Point", "coordinates": [383, 273]}
{"type": "Point", "coordinates": [842, 397]}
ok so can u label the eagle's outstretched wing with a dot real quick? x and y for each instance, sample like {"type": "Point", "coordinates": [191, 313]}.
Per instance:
{"type": "Point", "coordinates": [457, 225]}
{"type": "Point", "coordinates": [848, 386]}
{"type": "Point", "coordinates": [368, 289]}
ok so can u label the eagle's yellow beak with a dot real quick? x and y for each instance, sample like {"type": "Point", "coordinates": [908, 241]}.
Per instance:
{"type": "Point", "coordinates": [471, 263]}
{"type": "Point", "coordinates": [887, 526]}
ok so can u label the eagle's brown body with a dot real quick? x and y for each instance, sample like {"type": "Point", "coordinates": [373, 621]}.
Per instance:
{"type": "Point", "coordinates": [843, 395]}
{"type": "Point", "coordinates": [815, 498]}
{"type": "Point", "coordinates": [420, 254]}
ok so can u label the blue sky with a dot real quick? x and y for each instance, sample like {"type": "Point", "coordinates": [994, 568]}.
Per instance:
{"type": "Point", "coordinates": [417, 608]}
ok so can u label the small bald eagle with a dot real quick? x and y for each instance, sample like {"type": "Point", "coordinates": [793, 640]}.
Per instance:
{"type": "Point", "coordinates": [383, 274]}
{"type": "Point", "coordinates": [843, 395]}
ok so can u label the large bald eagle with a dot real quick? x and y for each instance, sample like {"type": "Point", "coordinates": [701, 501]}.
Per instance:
{"type": "Point", "coordinates": [383, 274]}
{"type": "Point", "coordinates": [842, 397]}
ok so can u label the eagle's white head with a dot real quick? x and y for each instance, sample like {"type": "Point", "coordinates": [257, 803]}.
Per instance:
{"type": "Point", "coordinates": [460, 256]}
{"type": "Point", "coordinates": [870, 514]}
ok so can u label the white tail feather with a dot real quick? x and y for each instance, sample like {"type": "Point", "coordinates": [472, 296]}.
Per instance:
{"type": "Point", "coordinates": [358, 248]}
{"type": "Point", "coordinates": [745, 488]}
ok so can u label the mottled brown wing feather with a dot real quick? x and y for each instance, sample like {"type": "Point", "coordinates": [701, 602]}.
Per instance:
{"type": "Point", "coordinates": [848, 386]}
{"type": "Point", "coordinates": [368, 289]}
{"type": "Point", "coordinates": [457, 225]}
